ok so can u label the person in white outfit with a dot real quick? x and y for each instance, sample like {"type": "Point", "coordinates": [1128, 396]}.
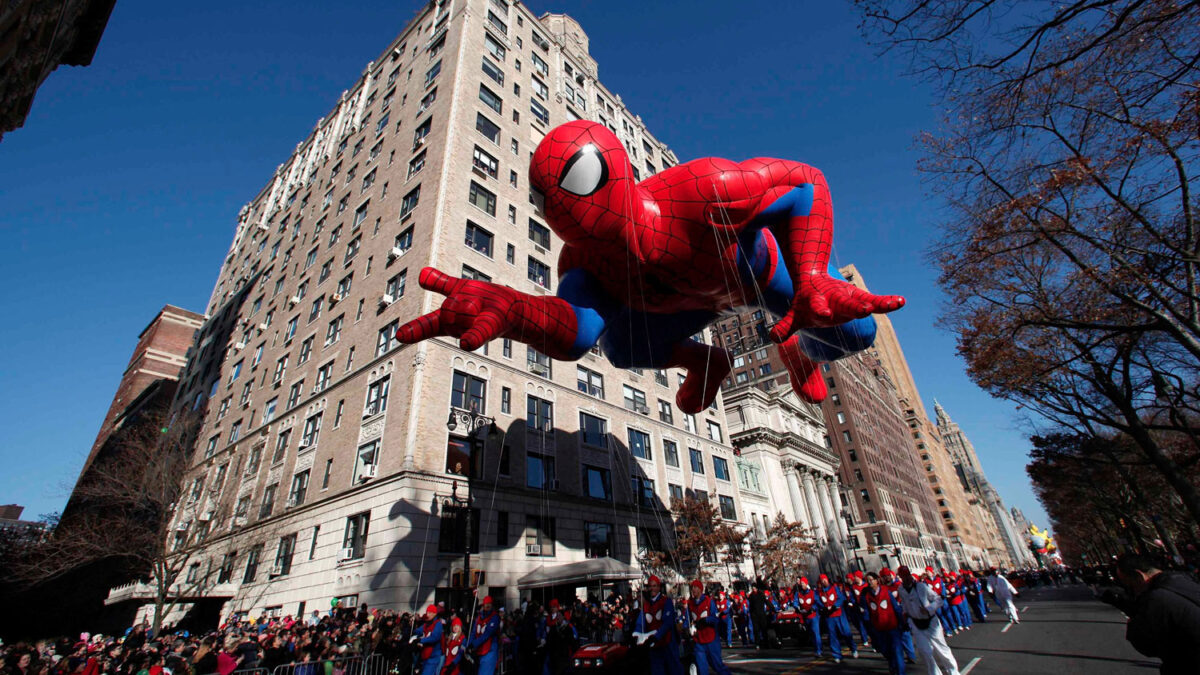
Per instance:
{"type": "Point", "coordinates": [921, 606]}
{"type": "Point", "coordinates": [1004, 593]}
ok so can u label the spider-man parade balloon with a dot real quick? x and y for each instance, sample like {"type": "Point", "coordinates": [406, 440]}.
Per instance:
{"type": "Point", "coordinates": [646, 265]}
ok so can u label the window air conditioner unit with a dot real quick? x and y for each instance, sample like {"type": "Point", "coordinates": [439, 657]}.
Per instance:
{"type": "Point", "coordinates": [264, 227]}
{"type": "Point", "coordinates": [303, 443]}
{"type": "Point", "coordinates": [347, 553]}
{"type": "Point", "coordinates": [386, 299]}
{"type": "Point", "coordinates": [533, 549]}
{"type": "Point", "coordinates": [419, 142]}
{"type": "Point", "coordinates": [293, 301]}
{"type": "Point", "coordinates": [372, 409]}
{"type": "Point", "coordinates": [396, 252]}
{"type": "Point", "coordinates": [239, 346]}
{"type": "Point", "coordinates": [370, 471]}
{"type": "Point", "coordinates": [335, 298]}
{"type": "Point", "coordinates": [292, 501]}
{"type": "Point", "coordinates": [263, 326]}
{"type": "Point", "coordinates": [277, 570]}
{"type": "Point", "coordinates": [540, 249]}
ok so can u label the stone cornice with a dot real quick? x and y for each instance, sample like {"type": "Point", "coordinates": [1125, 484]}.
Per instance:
{"type": "Point", "coordinates": [782, 439]}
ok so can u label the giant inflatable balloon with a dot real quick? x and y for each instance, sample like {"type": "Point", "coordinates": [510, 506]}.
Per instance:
{"type": "Point", "coordinates": [1041, 540]}
{"type": "Point", "coordinates": [646, 265]}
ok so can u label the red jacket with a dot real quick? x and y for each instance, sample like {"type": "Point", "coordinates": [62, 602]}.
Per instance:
{"type": "Point", "coordinates": [881, 609]}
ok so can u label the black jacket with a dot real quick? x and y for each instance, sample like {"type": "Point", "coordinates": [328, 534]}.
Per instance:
{"type": "Point", "coordinates": [1165, 622]}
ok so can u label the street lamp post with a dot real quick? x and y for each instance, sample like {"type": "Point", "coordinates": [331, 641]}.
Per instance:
{"type": "Point", "coordinates": [472, 421]}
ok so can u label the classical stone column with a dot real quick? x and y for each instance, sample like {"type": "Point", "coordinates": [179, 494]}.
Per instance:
{"type": "Point", "coordinates": [814, 506]}
{"type": "Point", "coordinates": [834, 491]}
{"type": "Point", "coordinates": [790, 476]}
{"type": "Point", "coordinates": [829, 515]}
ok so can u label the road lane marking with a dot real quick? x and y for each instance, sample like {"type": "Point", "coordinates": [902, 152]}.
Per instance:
{"type": "Point", "coordinates": [741, 661]}
{"type": "Point", "coordinates": [1005, 629]}
{"type": "Point", "coordinates": [970, 665]}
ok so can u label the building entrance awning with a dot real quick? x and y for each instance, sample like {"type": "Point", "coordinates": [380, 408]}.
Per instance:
{"type": "Point", "coordinates": [581, 573]}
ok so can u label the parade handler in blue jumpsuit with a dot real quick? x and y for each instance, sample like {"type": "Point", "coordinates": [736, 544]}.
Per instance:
{"type": "Point", "coordinates": [703, 619]}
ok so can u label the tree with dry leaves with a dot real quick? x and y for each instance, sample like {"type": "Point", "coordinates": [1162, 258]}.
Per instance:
{"type": "Point", "coordinates": [701, 536]}
{"type": "Point", "coordinates": [1070, 247]}
{"type": "Point", "coordinates": [131, 508]}
{"type": "Point", "coordinates": [788, 548]}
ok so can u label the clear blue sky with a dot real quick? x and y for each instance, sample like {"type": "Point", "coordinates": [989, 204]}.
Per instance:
{"type": "Point", "coordinates": [121, 192]}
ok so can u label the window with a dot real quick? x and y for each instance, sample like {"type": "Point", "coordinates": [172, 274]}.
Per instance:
{"type": "Point", "coordinates": [381, 125]}
{"type": "Point", "coordinates": [539, 234]}
{"type": "Point", "coordinates": [539, 111]}
{"type": "Point", "coordinates": [485, 162]}
{"type": "Point", "coordinates": [328, 473]}
{"type": "Point", "coordinates": [268, 500]}
{"type": "Point", "coordinates": [490, 98]}
{"type": "Point", "coordinates": [468, 392]}
{"type": "Point", "coordinates": [416, 164]}
{"type": "Point", "coordinates": [635, 399]}
{"type": "Point", "coordinates": [853, 455]}
{"type": "Point", "coordinates": [427, 100]}
{"type": "Point", "coordinates": [225, 572]}
{"type": "Point", "coordinates": [510, 256]}
{"type": "Point", "coordinates": [211, 448]}
{"type": "Point", "coordinates": [589, 382]}
{"type": "Point", "coordinates": [269, 410]}
{"type": "Point", "coordinates": [335, 330]}
{"type": "Point", "coordinates": [479, 239]}
{"type": "Point", "coordinates": [366, 461]}
{"type": "Point", "coordinates": [482, 198]}
{"type": "Point", "coordinates": [280, 368]}
{"type": "Point", "coordinates": [643, 491]}
{"type": "Point", "coordinates": [665, 413]}
{"type": "Point", "coordinates": [488, 128]}
{"type": "Point", "coordinates": [598, 540]}
{"type": "Point", "coordinates": [235, 372]}
{"type": "Point", "coordinates": [594, 430]}
{"type": "Point", "coordinates": [597, 482]}
{"type": "Point", "coordinates": [325, 271]}
{"type": "Point", "coordinates": [421, 132]}
{"type": "Point", "coordinates": [728, 511]}
{"type": "Point", "coordinates": [404, 240]}
{"type": "Point", "coordinates": [252, 560]}
{"type": "Point", "coordinates": [410, 201]}
{"type": "Point", "coordinates": [281, 446]}
{"type": "Point", "coordinates": [497, 22]}
{"type": "Point", "coordinates": [539, 536]}
{"type": "Point", "coordinates": [294, 393]}
{"type": "Point", "coordinates": [469, 272]}
{"type": "Point", "coordinates": [539, 471]}
{"type": "Point", "coordinates": [639, 444]}
{"type": "Point", "coordinates": [351, 251]}
{"type": "Point", "coordinates": [676, 492]}
{"type": "Point", "coordinates": [299, 488]}
{"type": "Point", "coordinates": [494, 47]}
{"type": "Point", "coordinates": [377, 394]}
{"type": "Point", "coordinates": [355, 538]}
{"type": "Point", "coordinates": [433, 72]}
{"type": "Point", "coordinates": [697, 459]}
{"type": "Point", "coordinates": [539, 414]}
{"type": "Point", "coordinates": [540, 65]}
{"type": "Point", "coordinates": [671, 452]}
{"type": "Point", "coordinates": [866, 495]}
{"type": "Point", "coordinates": [537, 363]}
{"type": "Point", "coordinates": [324, 376]}
{"type": "Point", "coordinates": [360, 214]}
{"type": "Point", "coordinates": [841, 417]}
{"type": "Point", "coordinates": [714, 431]}
{"type": "Point", "coordinates": [312, 430]}
{"type": "Point", "coordinates": [235, 431]}
{"type": "Point", "coordinates": [491, 70]}
{"type": "Point", "coordinates": [315, 312]}
{"type": "Point", "coordinates": [283, 555]}
{"type": "Point", "coordinates": [387, 338]}
{"type": "Point", "coordinates": [539, 272]}
{"type": "Point", "coordinates": [540, 89]}
{"type": "Point", "coordinates": [337, 416]}
{"type": "Point", "coordinates": [720, 468]}
{"type": "Point", "coordinates": [650, 538]}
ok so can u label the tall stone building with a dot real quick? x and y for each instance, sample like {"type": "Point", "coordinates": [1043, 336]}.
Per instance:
{"type": "Point", "coordinates": [327, 467]}
{"type": "Point", "coordinates": [156, 362]}
{"type": "Point", "coordinates": [968, 523]}
{"type": "Point", "coordinates": [1008, 548]}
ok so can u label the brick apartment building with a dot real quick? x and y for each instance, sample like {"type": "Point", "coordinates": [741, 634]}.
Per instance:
{"type": "Point", "coordinates": [325, 468]}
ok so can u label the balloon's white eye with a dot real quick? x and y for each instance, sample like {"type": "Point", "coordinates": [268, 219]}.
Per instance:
{"type": "Point", "coordinates": [585, 172]}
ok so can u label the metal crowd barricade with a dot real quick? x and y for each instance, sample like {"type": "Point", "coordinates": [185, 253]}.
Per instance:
{"type": "Point", "coordinates": [250, 671]}
{"type": "Point", "coordinates": [375, 664]}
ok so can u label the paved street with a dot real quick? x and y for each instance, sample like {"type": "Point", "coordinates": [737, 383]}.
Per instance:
{"type": "Point", "coordinates": [1062, 630]}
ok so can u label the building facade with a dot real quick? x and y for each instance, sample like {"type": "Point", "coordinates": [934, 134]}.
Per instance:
{"type": "Point", "coordinates": [968, 524]}
{"type": "Point", "coordinates": [1008, 548]}
{"type": "Point", "coordinates": [326, 468]}
{"type": "Point", "coordinates": [160, 355]}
